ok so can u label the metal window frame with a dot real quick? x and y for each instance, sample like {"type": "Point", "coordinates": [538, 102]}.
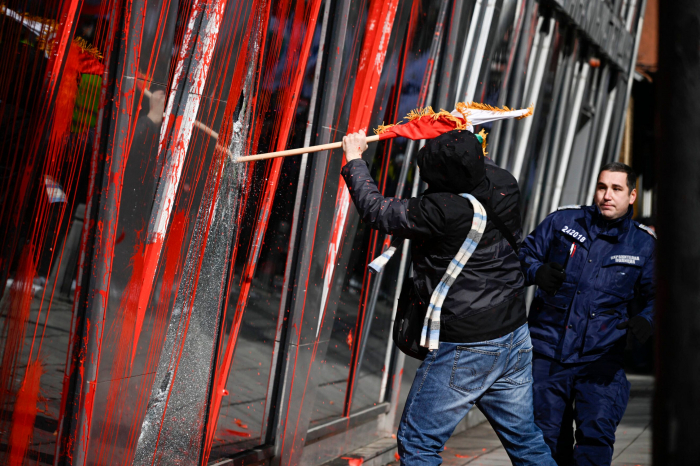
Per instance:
{"type": "Point", "coordinates": [275, 384]}
{"type": "Point", "coordinates": [307, 217]}
{"type": "Point", "coordinates": [600, 145]}
{"type": "Point", "coordinates": [580, 78]}
{"type": "Point", "coordinates": [455, 53]}
{"type": "Point", "coordinates": [483, 44]}
{"type": "Point", "coordinates": [630, 77]}
{"type": "Point", "coordinates": [467, 55]}
{"type": "Point", "coordinates": [502, 131]}
{"type": "Point", "coordinates": [569, 54]}
{"type": "Point", "coordinates": [436, 47]}
{"type": "Point", "coordinates": [96, 289]}
{"type": "Point", "coordinates": [308, 337]}
{"type": "Point", "coordinates": [543, 48]}
{"type": "Point", "coordinates": [600, 110]}
{"type": "Point", "coordinates": [535, 206]}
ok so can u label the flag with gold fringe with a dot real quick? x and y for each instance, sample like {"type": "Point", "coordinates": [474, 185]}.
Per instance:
{"type": "Point", "coordinates": [425, 123]}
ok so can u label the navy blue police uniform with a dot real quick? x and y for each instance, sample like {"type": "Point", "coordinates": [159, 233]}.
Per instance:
{"type": "Point", "coordinates": [577, 368]}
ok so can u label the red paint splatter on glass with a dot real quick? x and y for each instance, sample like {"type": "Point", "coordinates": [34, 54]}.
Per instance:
{"type": "Point", "coordinates": [24, 413]}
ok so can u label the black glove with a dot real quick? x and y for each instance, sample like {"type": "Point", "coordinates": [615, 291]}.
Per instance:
{"type": "Point", "coordinates": [550, 276]}
{"type": "Point", "coordinates": [640, 327]}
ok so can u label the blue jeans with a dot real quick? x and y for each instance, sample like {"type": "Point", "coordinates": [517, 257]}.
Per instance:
{"type": "Point", "coordinates": [495, 375]}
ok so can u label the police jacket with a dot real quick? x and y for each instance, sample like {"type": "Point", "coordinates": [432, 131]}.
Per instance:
{"type": "Point", "coordinates": [608, 264]}
{"type": "Point", "coordinates": [486, 300]}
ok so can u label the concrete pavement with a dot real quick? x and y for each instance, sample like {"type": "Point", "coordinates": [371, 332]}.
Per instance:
{"type": "Point", "coordinates": [479, 446]}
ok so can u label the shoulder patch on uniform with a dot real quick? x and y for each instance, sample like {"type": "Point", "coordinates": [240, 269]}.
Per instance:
{"type": "Point", "coordinates": [569, 207]}
{"type": "Point", "coordinates": [647, 229]}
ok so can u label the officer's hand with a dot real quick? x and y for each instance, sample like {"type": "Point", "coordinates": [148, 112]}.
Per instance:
{"type": "Point", "coordinates": [640, 327]}
{"type": "Point", "coordinates": [550, 277]}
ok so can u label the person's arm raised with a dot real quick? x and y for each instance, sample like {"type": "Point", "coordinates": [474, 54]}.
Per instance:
{"type": "Point", "coordinates": [407, 218]}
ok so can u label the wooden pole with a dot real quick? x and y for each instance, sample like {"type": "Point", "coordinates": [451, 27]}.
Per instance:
{"type": "Point", "coordinates": [301, 150]}
{"type": "Point", "coordinates": [272, 155]}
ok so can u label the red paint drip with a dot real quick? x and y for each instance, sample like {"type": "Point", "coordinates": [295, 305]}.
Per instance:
{"type": "Point", "coordinates": [89, 400]}
{"type": "Point", "coordinates": [292, 79]}
{"type": "Point", "coordinates": [343, 200]}
{"type": "Point", "coordinates": [236, 433]}
{"type": "Point", "coordinates": [172, 251]}
{"type": "Point", "coordinates": [380, 21]}
{"type": "Point", "coordinates": [129, 306]}
{"type": "Point", "coordinates": [142, 289]}
{"type": "Point", "coordinates": [25, 413]}
{"type": "Point", "coordinates": [121, 337]}
{"type": "Point", "coordinates": [15, 325]}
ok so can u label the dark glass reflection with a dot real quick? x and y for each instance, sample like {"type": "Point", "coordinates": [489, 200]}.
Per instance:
{"type": "Point", "coordinates": [57, 181]}
{"type": "Point", "coordinates": [363, 315]}
{"type": "Point", "coordinates": [543, 136]}
{"type": "Point", "coordinates": [246, 406]}
{"type": "Point", "coordinates": [497, 65]}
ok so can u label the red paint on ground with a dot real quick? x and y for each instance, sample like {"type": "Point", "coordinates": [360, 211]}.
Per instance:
{"type": "Point", "coordinates": [353, 461]}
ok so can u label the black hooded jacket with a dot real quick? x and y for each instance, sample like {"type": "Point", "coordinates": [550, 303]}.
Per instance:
{"type": "Point", "coordinates": [487, 299]}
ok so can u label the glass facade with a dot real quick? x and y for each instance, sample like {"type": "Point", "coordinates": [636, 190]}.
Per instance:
{"type": "Point", "coordinates": [163, 303]}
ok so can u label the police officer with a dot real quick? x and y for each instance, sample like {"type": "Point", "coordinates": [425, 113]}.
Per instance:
{"type": "Point", "coordinates": [589, 263]}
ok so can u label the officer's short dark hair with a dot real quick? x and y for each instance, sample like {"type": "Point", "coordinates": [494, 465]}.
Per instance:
{"type": "Point", "coordinates": [622, 168]}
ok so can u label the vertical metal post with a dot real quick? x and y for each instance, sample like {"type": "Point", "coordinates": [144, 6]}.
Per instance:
{"type": "Point", "coordinates": [533, 93]}
{"type": "Point", "coordinates": [478, 60]}
{"type": "Point", "coordinates": [274, 384]}
{"type": "Point", "coordinates": [569, 55]}
{"type": "Point", "coordinates": [577, 95]}
{"type": "Point", "coordinates": [435, 54]}
{"type": "Point", "coordinates": [543, 161]}
{"type": "Point", "coordinates": [602, 136]}
{"type": "Point", "coordinates": [467, 55]}
{"type": "Point", "coordinates": [676, 405]}
{"type": "Point", "coordinates": [630, 76]}
{"type": "Point", "coordinates": [516, 87]}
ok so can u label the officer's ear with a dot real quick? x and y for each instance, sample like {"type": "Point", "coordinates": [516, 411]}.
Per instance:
{"type": "Point", "coordinates": [633, 196]}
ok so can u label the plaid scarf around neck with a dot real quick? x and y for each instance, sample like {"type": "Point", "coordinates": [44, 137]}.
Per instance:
{"type": "Point", "coordinates": [430, 335]}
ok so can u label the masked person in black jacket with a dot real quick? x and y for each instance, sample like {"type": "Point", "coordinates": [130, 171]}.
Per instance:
{"type": "Point", "coordinates": [484, 355]}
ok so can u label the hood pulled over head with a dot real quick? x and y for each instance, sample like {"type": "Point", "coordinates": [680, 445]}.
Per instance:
{"type": "Point", "coordinates": [452, 162]}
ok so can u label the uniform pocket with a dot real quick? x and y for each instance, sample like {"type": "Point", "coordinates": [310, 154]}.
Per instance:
{"type": "Point", "coordinates": [618, 275]}
{"type": "Point", "coordinates": [601, 332]}
{"type": "Point", "coordinates": [471, 368]}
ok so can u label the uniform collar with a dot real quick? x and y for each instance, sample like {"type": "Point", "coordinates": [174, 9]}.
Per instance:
{"type": "Point", "coordinates": [613, 228]}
